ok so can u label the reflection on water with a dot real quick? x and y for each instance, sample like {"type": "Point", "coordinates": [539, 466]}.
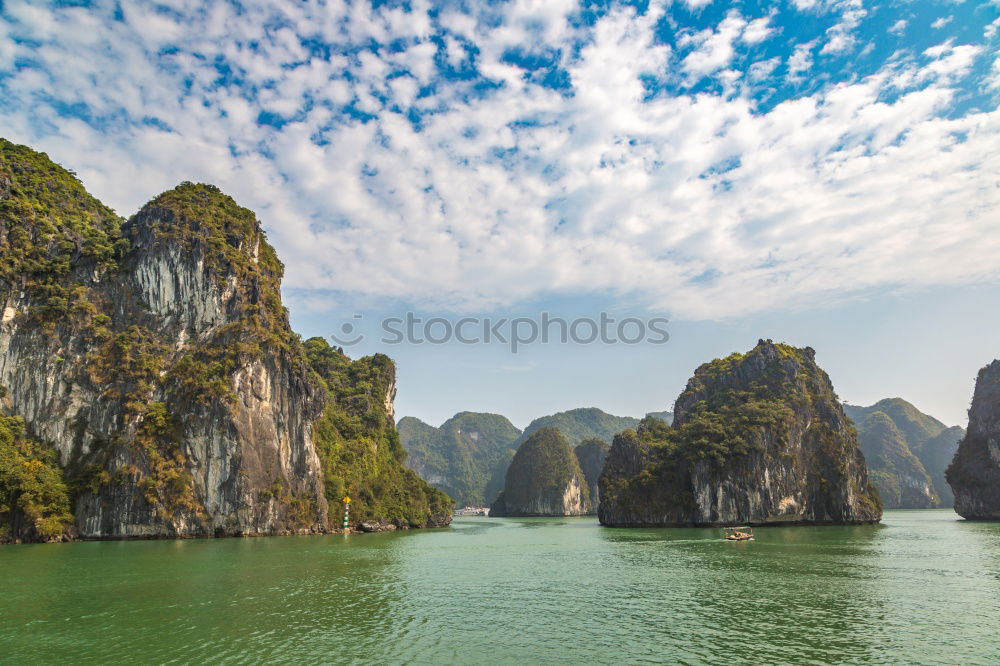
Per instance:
{"type": "Point", "coordinates": [922, 588]}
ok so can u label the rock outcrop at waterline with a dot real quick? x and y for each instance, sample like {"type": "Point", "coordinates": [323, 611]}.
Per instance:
{"type": "Point", "coordinates": [154, 357]}
{"type": "Point", "coordinates": [974, 474]}
{"type": "Point", "coordinates": [757, 438]}
{"type": "Point", "coordinates": [544, 479]}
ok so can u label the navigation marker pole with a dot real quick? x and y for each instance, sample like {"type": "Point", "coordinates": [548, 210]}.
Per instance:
{"type": "Point", "coordinates": [347, 509]}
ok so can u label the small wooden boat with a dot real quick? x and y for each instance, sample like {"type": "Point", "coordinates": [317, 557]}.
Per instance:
{"type": "Point", "coordinates": [739, 534]}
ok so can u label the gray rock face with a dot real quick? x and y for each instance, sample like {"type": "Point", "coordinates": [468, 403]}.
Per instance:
{"type": "Point", "coordinates": [936, 454]}
{"type": "Point", "coordinates": [974, 474]}
{"type": "Point", "coordinates": [757, 438]}
{"type": "Point", "coordinates": [237, 459]}
{"type": "Point", "coordinates": [592, 453]}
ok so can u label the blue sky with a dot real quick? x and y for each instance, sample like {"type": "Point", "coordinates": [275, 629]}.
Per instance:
{"type": "Point", "coordinates": [822, 172]}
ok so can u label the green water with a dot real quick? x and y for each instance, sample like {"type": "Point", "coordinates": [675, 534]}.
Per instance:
{"type": "Point", "coordinates": [922, 588]}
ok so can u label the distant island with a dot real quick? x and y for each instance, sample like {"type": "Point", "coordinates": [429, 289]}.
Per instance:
{"type": "Point", "coordinates": [468, 455]}
{"type": "Point", "coordinates": [757, 438]}
{"type": "Point", "coordinates": [544, 479]}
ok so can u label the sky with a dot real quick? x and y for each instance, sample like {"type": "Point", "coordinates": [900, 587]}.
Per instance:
{"type": "Point", "coordinates": [822, 172]}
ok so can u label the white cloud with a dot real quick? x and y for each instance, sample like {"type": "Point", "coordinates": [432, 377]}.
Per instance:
{"type": "Point", "coordinates": [950, 62]}
{"type": "Point", "coordinates": [714, 49]}
{"type": "Point", "coordinates": [764, 68]}
{"type": "Point", "coordinates": [801, 59]}
{"type": "Point", "coordinates": [942, 22]}
{"type": "Point", "coordinates": [841, 36]}
{"type": "Point", "coordinates": [992, 29]}
{"type": "Point", "coordinates": [899, 27]}
{"type": "Point", "coordinates": [512, 190]}
{"type": "Point", "coordinates": [758, 30]}
{"type": "Point", "coordinates": [993, 80]}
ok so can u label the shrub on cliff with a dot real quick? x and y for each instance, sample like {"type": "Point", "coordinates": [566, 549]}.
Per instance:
{"type": "Point", "coordinates": [34, 501]}
{"type": "Point", "coordinates": [358, 446]}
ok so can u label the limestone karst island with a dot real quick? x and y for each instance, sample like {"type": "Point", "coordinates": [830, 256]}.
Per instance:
{"type": "Point", "coordinates": [509, 332]}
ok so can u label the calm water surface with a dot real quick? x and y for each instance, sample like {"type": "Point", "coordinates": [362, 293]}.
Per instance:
{"type": "Point", "coordinates": [922, 588]}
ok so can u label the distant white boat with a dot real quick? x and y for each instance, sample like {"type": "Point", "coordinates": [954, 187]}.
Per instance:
{"type": "Point", "coordinates": [473, 511]}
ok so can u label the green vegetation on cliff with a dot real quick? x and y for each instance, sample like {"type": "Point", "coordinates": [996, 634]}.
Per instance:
{"type": "Point", "coordinates": [544, 479]}
{"type": "Point", "coordinates": [462, 455]}
{"type": "Point", "coordinates": [469, 454]}
{"type": "Point", "coordinates": [359, 448]}
{"type": "Point", "coordinates": [576, 425]}
{"type": "Point", "coordinates": [200, 220]}
{"type": "Point", "coordinates": [157, 357]}
{"type": "Point", "coordinates": [34, 501]}
{"type": "Point", "coordinates": [724, 419]}
{"type": "Point", "coordinates": [928, 439]}
{"type": "Point", "coordinates": [50, 225]}
{"type": "Point", "coordinates": [899, 476]}
{"type": "Point", "coordinates": [769, 411]}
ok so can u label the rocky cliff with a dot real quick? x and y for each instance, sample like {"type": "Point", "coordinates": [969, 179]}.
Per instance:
{"type": "Point", "coordinates": [900, 477]}
{"type": "Point", "coordinates": [592, 453]}
{"type": "Point", "coordinates": [936, 453]}
{"type": "Point", "coordinates": [544, 479]}
{"type": "Point", "coordinates": [974, 474]}
{"type": "Point", "coordinates": [154, 357]}
{"type": "Point", "coordinates": [757, 438]}
{"type": "Point", "coordinates": [933, 444]}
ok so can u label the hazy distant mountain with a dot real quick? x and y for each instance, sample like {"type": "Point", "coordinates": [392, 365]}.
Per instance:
{"type": "Point", "coordinates": [577, 425]}
{"type": "Point", "coordinates": [666, 417]}
{"type": "Point", "coordinates": [469, 454]}
{"type": "Point", "coordinates": [931, 442]}
{"type": "Point", "coordinates": [461, 456]}
{"type": "Point", "coordinates": [899, 476]}
{"type": "Point", "coordinates": [936, 454]}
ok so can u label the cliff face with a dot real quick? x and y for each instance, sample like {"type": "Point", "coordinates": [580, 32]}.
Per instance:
{"type": "Point", "coordinates": [936, 453]}
{"type": "Point", "coordinates": [155, 358]}
{"type": "Point", "coordinates": [544, 479]}
{"type": "Point", "coordinates": [757, 438]}
{"type": "Point", "coordinates": [974, 474]}
{"type": "Point", "coordinates": [460, 456]}
{"type": "Point", "coordinates": [930, 441]}
{"type": "Point", "coordinates": [592, 453]}
{"type": "Point", "coordinates": [901, 479]}
{"type": "Point", "coordinates": [359, 448]}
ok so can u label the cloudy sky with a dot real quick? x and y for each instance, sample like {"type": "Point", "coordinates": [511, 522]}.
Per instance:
{"type": "Point", "coordinates": [825, 172]}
